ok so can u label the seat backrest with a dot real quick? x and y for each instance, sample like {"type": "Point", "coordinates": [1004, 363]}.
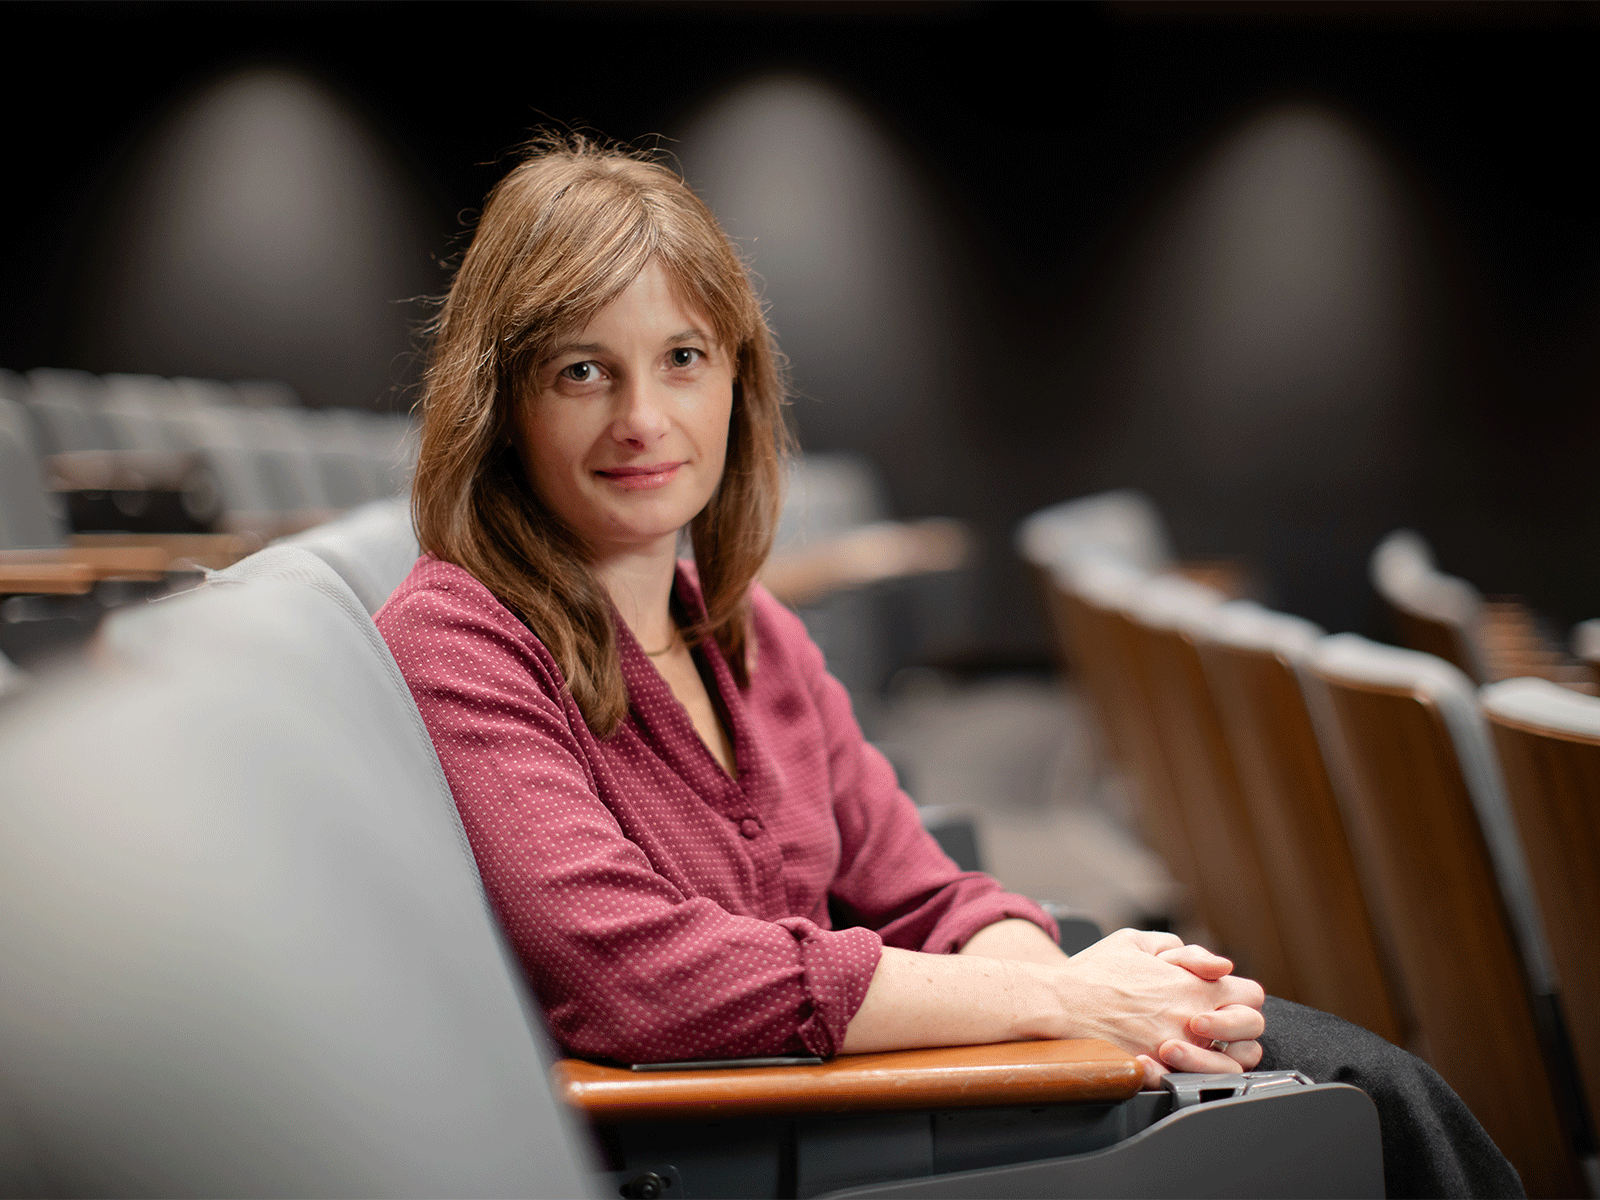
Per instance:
{"type": "Point", "coordinates": [830, 494]}
{"type": "Point", "coordinates": [1124, 523]}
{"type": "Point", "coordinates": [246, 949]}
{"type": "Point", "coordinates": [1586, 645]}
{"type": "Point", "coordinates": [1090, 593]}
{"type": "Point", "coordinates": [1164, 613]}
{"type": "Point", "coordinates": [373, 548]}
{"type": "Point", "coordinates": [138, 408]}
{"type": "Point", "coordinates": [221, 433]}
{"type": "Point", "coordinates": [1427, 818]}
{"type": "Point", "coordinates": [1433, 612]}
{"type": "Point", "coordinates": [1549, 742]}
{"type": "Point", "coordinates": [341, 442]}
{"type": "Point", "coordinates": [66, 407]}
{"type": "Point", "coordinates": [27, 517]}
{"type": "Point", "coordinates": [279, 438]}
{"type": "Point", "coordinates": [1251, 658]}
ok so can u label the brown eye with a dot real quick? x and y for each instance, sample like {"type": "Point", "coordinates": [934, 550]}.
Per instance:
{"type": "Point", "coordinates": [685, 356]}
{"type": "Point", "coordinates": [581, 372]}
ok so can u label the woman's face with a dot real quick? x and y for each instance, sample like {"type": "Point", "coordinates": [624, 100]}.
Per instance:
{"type": "Point", "coordinates": [624, 428]}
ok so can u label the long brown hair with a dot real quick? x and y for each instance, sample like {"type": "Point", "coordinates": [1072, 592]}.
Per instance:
{"type": "Point", "coordinates": [561, 236]}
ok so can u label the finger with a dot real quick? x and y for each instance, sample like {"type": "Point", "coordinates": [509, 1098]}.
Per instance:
{"type": "Point", "coordinates": [1186, 1056]}
{"type": "Point", "coordinates": [1198, 960]}
{"type": "Point", "coordinates": [1239, 990]}
{"type": "Point", "coordinates": [1231, 1023]}
{"type": "Point", "coordinates": [1246, 1054]}
{"type": "Point", "coordinates": [1153, 1071]}
{"type": "Point", "coordinates": [1151, 941]}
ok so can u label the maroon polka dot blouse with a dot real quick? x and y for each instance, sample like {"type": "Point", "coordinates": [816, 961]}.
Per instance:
{"type": "Point", "coordinates": [663, 910]}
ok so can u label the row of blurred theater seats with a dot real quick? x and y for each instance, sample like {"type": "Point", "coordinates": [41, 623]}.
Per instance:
{"type": "Point", "coordinates": [115, 488]}
{"type": "Point", "coordinates": [1408, 838]}
{"type": "Point", "coordinates": [145, 454]}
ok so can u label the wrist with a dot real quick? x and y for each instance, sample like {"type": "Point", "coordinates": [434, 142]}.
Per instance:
{"type": "Point", "coordinates": [1045, 996]}
{"type": "Point", "coordinates": [1017, 938]}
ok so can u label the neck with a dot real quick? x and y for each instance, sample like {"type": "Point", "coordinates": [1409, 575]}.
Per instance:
{"type": "Point", "coordinates": [639, 582]}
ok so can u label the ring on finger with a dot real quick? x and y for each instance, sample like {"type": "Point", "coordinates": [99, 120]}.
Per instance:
{"type": "Point", "coordinates": [1220, 1047]}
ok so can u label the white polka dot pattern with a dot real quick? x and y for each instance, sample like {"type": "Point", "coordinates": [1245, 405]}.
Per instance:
{"type": "Point", "coordinates": [661, 909]}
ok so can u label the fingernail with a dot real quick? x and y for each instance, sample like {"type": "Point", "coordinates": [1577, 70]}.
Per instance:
{"type": "Point", "coordinates": [1202, 1024]}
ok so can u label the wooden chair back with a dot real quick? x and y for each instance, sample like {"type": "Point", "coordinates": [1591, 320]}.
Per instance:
{"type": "Point", "coordinates": [1249, 657]}
{"type": "Point", "coordinates": [1205, 782]}
{"type": "Point", "coordinates": [1102, 645]}
{"type": "Point", "coordinates": [1398, 721]}
{"type": "Point", "coordinates": [1549, 742]}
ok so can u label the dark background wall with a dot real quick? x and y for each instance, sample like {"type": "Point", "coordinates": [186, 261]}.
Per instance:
{"type": "Point", "coordinates": [1052, 146]}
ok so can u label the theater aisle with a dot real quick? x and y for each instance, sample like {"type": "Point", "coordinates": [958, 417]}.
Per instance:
{"type": "Point", "coordinates": [1016, 752]}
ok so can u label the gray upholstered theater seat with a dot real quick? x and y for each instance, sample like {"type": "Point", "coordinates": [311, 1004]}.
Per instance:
{"type": "Point", "coordinates": [1123, 523]}
{"type": "Point", "coordinates": [27, 515]}
{"type": "Point", "coordinates": [245, 949]}
{"type": "Point", "coordinates": [373, 548]}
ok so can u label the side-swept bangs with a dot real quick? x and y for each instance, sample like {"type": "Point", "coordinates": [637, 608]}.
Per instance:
{"type": "Point", "coordinates": [561, 237]}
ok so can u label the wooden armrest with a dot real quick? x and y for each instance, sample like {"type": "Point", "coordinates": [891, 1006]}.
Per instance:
{"type": "Point", "coordinates": [214, 550]}
{"type": "Point", "coordinates": [45, 578]}
{"type": "Point", "coordinates": [1054, 1072]}
{"type": "Point", "coordinates": [105, 562]}
{"type": "Point", "coordinates": [867, 554]}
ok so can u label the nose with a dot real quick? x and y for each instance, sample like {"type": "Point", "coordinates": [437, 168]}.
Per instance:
{"type": "Point", "coordinates": [640, 417]}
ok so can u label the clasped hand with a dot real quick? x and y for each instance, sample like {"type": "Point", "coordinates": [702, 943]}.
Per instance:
{"type": "Point", "coordinates": [1167, 1002]}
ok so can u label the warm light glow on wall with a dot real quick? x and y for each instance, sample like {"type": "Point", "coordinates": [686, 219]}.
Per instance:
{"type": "Point", "coordinates": [1277, 317]}
{"type": "Point", "coordinates": [262, 232]}
{"type": "Point", "coordinates": [1268, 361]}
{"type": "Point", "coordinates": [830, 214]}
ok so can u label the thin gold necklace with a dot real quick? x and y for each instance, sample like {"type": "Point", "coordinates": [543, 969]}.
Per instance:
{"type": "Point", "coordinates": [664, 649]}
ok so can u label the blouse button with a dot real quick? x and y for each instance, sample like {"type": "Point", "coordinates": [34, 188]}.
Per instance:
{"type": "Point", "coordinates": [750, 827]}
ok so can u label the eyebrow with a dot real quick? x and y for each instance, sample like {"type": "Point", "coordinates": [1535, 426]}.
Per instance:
{"type": "Point", "coordinates": [683, 335]}
{"type": "Point", "coordinates": [556, 352]}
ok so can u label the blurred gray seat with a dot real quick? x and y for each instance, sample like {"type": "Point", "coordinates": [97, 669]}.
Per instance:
{"type": "Point", "coordinates": [246, 951]}
{"type": "Point", "coordinates": [1586, 645]}
{"type": "Point", "coordinates": [1435, 613]}
{"type": "Point", "coordinates": [66, 408]}
{"type": "Point", "coordinates": [1123, 523]}
{"type": "Point", "coordinates": [830, 494]}
{"type": "Point", "coordinates": [261, 445]}
{"type": "Point", "coordinates": [28, 516]}
{"type": "Point", "coordinates": [142, 412]}
{"type": "Point", "coordinates": [373, 548]}
{"type": "Point", "coordinates": [905, 609]}
{"type": "Point", "coordinates": [346, 457]}
{"type": "Point", "coordinates": [1122, 526]}
{"type": "Point", "coordinates": [1441, 615]}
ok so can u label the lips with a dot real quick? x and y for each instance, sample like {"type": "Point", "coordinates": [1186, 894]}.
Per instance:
{"type": "Point", "coordinates": [641, 477]}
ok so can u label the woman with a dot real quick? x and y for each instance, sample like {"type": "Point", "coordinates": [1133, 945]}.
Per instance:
{"type": "Point", "coordinates": [664, 788]}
